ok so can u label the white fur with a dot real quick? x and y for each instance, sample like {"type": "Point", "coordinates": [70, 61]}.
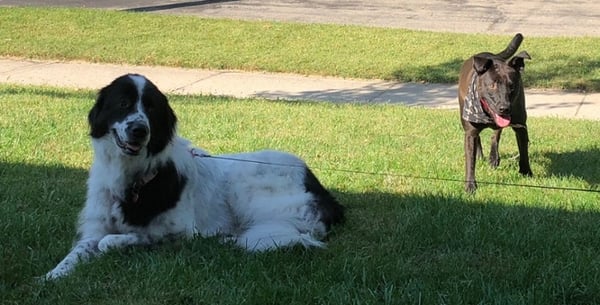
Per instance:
{"type": "Point", "coordinates": [257, 206]}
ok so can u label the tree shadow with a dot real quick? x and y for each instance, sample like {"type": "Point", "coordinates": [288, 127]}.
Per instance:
{"type": "Point", "coordinates": [507, 248]}
{"type": "Point", "coordinates": [39, 206]}
{"type": "Point", "coordinates": [446, 72]}
{"type": "Point", "coordinates": [424, 245]}
{"type": "Point", "coordinates": [46, 91]}
{"type": "Point", "coordinates": [579, 163]}
{"type": "Point", "coordinates": [581, 71]}
{"type": "Point", "coordinates": [164, 7]}
{"type": "Point", "coordinates": [571, 73]}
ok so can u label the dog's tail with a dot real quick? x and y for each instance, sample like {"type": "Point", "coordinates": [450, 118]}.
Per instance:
{"type": "Point", "coordinates": [512, 47]}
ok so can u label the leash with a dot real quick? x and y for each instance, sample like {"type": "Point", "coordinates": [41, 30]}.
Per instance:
{"type": "Point", "coordinates": [397, 175]}
{"type": "Point", "coordinates": [196, 154]}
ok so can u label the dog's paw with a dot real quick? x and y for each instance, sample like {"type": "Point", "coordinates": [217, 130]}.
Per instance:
{"type": "Point", "coordinates": [42, 279]}
{"type": "Point", "coordinates": [526, 172]}
{"type": "Point", "coordinates": [115, 241]}
{"type": "Point", "coordinates": [53, 275]}
{"type": "Point", "coordinates": [111, 241]}
{"type": "Point", "coordinates": [470, 187]}
{"type": "Point", "coordinates": [104, 245]}
{"type": "Point", "coordinates": [494, 161]}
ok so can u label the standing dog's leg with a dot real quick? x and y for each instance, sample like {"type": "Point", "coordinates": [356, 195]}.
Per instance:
{"type": "Point", "coordinates": [471, 140]}
{"type": "Point", "coordinates": [523, 143]}
{"type": "Point", "coordinates": [494, 154]}
{"type": "Point", "coordinates": [479, 149]}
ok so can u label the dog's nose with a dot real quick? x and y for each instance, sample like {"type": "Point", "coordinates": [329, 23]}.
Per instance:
{"type": "Point", "coordinates": [504, 109]}
{"type": "Point", "coordinates": [138, 130]}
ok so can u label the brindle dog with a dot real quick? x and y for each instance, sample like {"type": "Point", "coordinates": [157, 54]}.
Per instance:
{"type": "Point", "coordinates": [490, 95]}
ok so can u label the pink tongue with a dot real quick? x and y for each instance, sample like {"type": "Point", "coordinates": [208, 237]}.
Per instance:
{"type": "Point", "coordinates": [133, 147]}
{"type": "Point", "coordinates": [501, 121]}
{"type": "Point", "coordinates": [498, 119]}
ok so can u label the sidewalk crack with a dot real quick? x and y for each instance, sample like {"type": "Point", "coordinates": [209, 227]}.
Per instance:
{"type": "Point", "coordinates": [181, 88]}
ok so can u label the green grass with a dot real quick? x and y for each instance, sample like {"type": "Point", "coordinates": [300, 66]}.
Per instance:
{"type": "Point", "coordinates": [406, 240]}
{"type": "Point", "coordinates": [315, 49]}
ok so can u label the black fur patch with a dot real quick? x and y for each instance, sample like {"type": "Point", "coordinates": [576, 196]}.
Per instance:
{"type": "Point", "coordinates": [330, 211]}
{"type": "Point", "coordinates": [157, 196]}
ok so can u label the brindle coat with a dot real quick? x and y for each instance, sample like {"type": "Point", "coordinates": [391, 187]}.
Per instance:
{"type": "Point", "coordinates": [491, 83]}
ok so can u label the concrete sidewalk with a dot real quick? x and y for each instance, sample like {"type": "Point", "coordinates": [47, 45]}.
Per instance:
{"type": "Point", "coordinates": [282, 86]}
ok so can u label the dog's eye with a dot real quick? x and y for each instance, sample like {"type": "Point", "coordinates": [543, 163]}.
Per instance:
{"type": "Point", "coordinates": [124, 103]}
{"type": "Point", "coordinates": [494, 85]}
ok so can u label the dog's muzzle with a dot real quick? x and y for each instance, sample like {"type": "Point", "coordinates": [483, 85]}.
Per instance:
{"type": "Point", "coordinates": [136, 137]}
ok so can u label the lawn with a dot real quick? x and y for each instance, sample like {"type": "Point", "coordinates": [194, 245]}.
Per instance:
{"type": "Point", "coordinates": [312, 49]}
{"type": "Point", "coordinates": [409, 238]}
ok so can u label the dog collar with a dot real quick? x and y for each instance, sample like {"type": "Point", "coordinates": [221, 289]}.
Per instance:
{"type": "Point", "coordinates": [132, 194]}
{"type": "Point", "coordinates": [472, 109]}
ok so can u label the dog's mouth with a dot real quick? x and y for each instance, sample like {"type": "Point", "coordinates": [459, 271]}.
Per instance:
{"type": "Point", "coordinates": [500, 120]}
{"type": "Point", "coordinates": [129, 148]}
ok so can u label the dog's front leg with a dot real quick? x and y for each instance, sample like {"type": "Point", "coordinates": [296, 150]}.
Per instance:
{"type": "Point", "coordinates": [523, 143]}
{"type": "Point", "coordinates": [116, 241]}
{"type": "Point", "coordinates": [81, 252]}
{"type": "Point", "coordinates": [471, 139]}
{"type": "Point", "coordinates": [494, 148]}
{"type": "Point", "coordinates": [479, 148]}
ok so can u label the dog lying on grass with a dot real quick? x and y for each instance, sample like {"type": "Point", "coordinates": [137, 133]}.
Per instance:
{"type": "Point", "coordinates": [147, 184]}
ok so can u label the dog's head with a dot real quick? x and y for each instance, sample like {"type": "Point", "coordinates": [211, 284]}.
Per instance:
{"type": "Point", "coordinates": [499, 84]}
{"type": "Point", "coordinates": [134, 115]}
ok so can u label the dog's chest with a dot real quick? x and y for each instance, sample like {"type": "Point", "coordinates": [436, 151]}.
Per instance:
{"type": "Point", "coordinates": [145, 198]}
{"type": "Point", "coordinates": [117, 219]}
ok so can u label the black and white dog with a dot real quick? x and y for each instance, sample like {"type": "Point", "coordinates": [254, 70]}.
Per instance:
{"type": "Point", "coordinates": [147, 184]}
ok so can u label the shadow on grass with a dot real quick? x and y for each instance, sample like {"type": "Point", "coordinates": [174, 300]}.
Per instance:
{"type": "Point", "coordinates": [423, 247]}
{"type": "Point", "coordinates": [500, 247]}
{"type": "Point", "coordinates": [47, 92]}
{"type": "Point", "coordinates": [570, 73]}
{"type": "Point", "coordinates": [446, 72]}
{"type": "Point", "coordinates": [579, 163]}
{"type": "Point", "coordinates": [39, 206]}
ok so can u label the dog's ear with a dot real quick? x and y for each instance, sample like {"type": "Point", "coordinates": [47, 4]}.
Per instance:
{"type": "Point", "coordinates": [170, 118]}
{"type": "Point", "coordinates": [482, 64]}
{"type": "Point", "coordinates": [163, 121]}
{"type": "Point", "coordinates": [93, 116]}
{"type": "Point", "coordinates": [518, 61]}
